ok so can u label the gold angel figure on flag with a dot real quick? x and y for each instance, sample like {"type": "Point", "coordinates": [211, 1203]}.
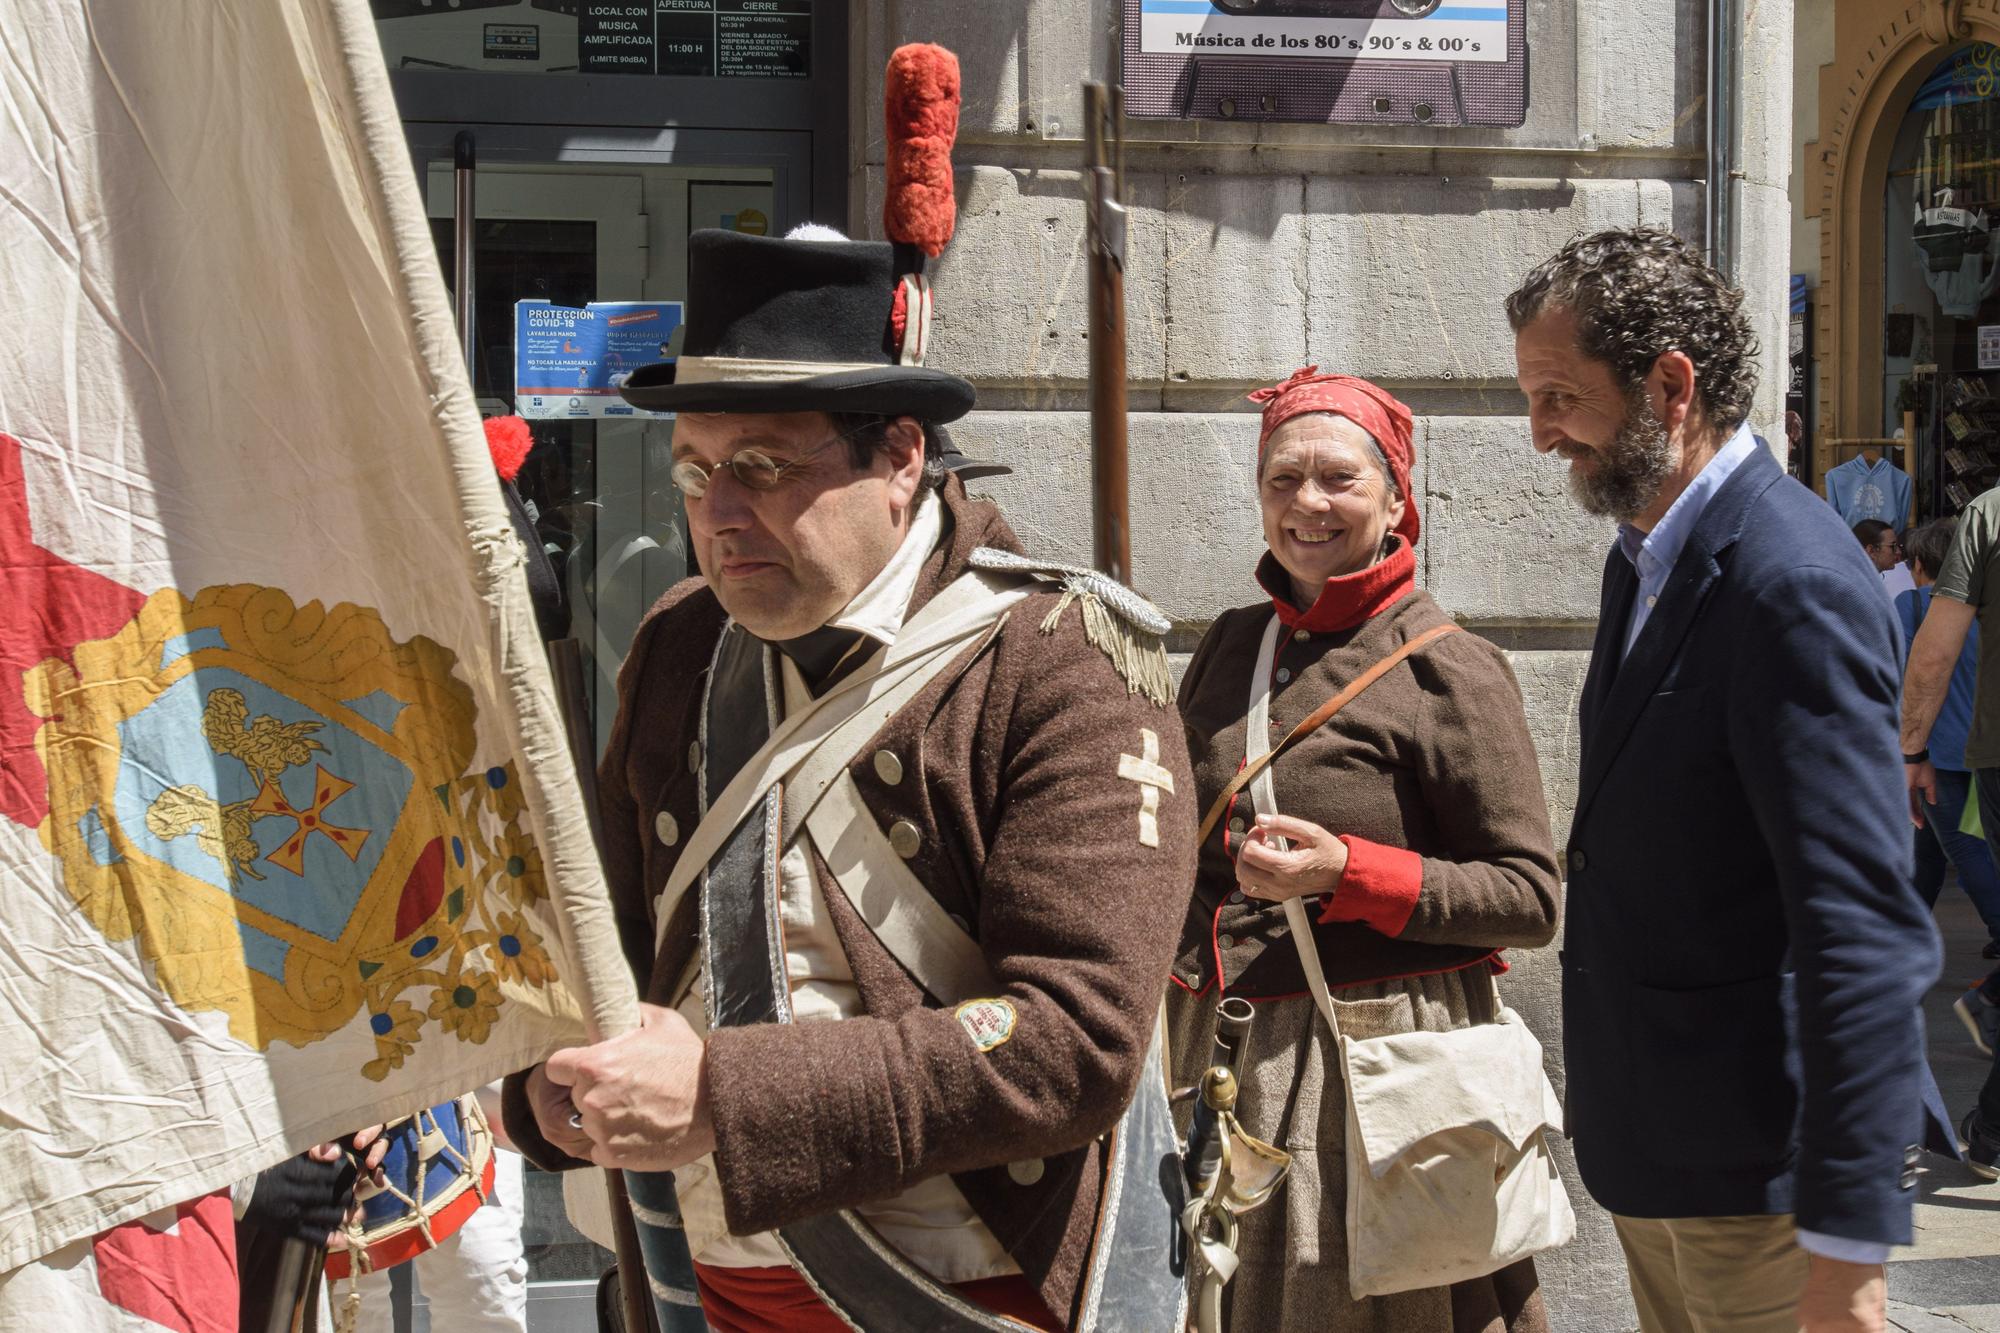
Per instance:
{"type": "Point", "coordinates": [266, 746]}
{"type": "Point", "coordinates": [223, 831]}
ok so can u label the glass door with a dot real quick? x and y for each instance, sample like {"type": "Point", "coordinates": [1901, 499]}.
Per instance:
{"type": "Point", "coordinates": [571, 218]}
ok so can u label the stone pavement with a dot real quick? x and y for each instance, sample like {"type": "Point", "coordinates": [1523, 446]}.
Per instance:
{"type": "Point", "coordinates": [1949, 1281]}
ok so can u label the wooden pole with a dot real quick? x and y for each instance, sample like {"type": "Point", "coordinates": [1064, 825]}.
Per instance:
{"type": "Point", "coordinates": [566, 670]}
{"type": "Point", "coordinates": [1111, 529]}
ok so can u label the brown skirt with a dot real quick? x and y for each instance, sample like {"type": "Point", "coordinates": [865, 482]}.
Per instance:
{"type": "Point", "coordinates": [1293, 1250]}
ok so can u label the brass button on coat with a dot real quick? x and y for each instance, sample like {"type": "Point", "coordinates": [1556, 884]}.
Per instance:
{"type": "Point", "coordinates": [904, 837]}
{"type": "Point", "coordinates": [694, 756]}
{"type": "Point", "coordinates": [666, 828]}
{"type": "Point", "coordinates": [1300, 636]}
{"type": "Point", "coordinates": [1225, 941]}
{"type": "Point", "coordinates": [1026, 1171]}
{"type": "Point", "coordinates": [888, 767]}
{"type": "Point", "coordinates": [1284, 674]}
{"type": "Point", "coordinates": [1236, 825]}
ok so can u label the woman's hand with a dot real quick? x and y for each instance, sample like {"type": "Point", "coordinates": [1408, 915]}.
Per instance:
{"type": "Point", "coordinates": [372, 1146]}
{"type": "Point", "coordinates": [1289, 858]}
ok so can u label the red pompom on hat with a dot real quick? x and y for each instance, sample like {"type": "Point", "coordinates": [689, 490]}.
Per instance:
{"type": "Point", "coordinates": [1367, 405]}
{"type": "Point", "coordinates": [509, 440]}
{"type": "Point", "coordinates": [920, 96]}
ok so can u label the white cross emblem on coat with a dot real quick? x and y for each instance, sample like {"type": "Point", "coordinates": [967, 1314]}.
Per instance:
{"type": "Point", "coordinates": [1144, 769]}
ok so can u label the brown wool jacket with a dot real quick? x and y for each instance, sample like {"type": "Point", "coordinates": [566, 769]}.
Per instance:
{"type": "Point", "coordinates": [1435, 758]}
{"type": "Point", "coordinates": [1010, 772]}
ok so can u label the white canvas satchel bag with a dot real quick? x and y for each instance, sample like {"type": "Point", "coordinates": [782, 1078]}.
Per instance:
{"type": "Point", "coordinates": [1448, 1174]}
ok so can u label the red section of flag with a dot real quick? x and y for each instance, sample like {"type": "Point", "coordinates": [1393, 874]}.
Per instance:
{"type": "Point", "coordinates": [50, 606]}
{"type": "Point", "coordinates": [183, 1278]}
{"type": "Point", "coordinates": [422, 891]}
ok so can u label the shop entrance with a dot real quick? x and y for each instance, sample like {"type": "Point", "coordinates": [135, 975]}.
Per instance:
{"type": "Point", "coordinates": [1941, 288]}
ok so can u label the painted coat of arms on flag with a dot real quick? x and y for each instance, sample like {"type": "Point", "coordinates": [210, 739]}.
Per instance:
{"type": "Point", "coordinates": [199, 803]}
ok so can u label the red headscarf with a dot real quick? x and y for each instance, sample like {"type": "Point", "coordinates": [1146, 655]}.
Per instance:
{"type": "Point", "coordinates": [1373, 409]}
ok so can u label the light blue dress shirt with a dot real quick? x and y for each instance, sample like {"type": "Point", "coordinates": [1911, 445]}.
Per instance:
{"type": "Point", "coordinates": [1654, 554]}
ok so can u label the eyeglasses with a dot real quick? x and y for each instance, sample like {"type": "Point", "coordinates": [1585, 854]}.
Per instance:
{"type": "Point", "coordinates": [757, 470]}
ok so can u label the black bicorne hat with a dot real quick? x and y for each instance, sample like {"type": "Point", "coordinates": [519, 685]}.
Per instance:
{"type": "Point", "coordinates": [811, 322]}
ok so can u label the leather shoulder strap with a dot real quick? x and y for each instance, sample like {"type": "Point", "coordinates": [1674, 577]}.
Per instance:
{"type": "Point", "coordinates": [911, 924]}
{"type": "Point", "coordinates": [953, 619]}
{"type": "Point", "coordinates": [1318, 718]}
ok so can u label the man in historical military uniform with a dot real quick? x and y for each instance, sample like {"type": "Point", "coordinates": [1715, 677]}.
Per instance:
{"type": "Point", "coordinates": [915, 973]}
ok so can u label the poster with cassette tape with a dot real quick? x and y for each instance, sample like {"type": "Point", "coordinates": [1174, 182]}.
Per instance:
{"type": "Point", "coordinates": [291, 838]}
{"type": "Point", "coordinates": [1436, 63]}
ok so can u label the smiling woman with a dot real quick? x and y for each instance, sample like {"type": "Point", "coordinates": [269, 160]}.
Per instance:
{"type": "Point", "coordinates": [1329, 500]}
{"type": "Point", "coordinates": [1412, 823]}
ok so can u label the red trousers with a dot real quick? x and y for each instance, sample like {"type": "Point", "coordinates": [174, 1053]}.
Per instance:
{"type": "Point", "coordinates": [777, 1300]}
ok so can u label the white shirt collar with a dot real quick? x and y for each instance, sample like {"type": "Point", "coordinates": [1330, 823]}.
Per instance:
{"type": "Point", "coordinates": [878, 609]}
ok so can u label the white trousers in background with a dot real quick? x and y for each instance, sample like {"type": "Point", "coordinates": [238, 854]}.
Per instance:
{"type": "Point", "coordinates": [477, 1281]}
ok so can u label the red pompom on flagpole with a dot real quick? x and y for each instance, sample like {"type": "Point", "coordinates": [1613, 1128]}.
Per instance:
{"type": "Point", "coordinates": [920, 105]}
{"type": "Point", "coordinates": [509, 441]}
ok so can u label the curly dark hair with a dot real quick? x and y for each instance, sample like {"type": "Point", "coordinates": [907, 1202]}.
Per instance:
{"type": "Point", "coordinates": [1638, 292]}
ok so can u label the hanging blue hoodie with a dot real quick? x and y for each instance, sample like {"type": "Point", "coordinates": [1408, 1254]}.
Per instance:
{"type": "Point", "coordinates": [1858, 491]}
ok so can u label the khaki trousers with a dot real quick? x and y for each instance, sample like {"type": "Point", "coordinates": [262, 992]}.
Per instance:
{"type": "Point", "coordinates": [1714, 1274]}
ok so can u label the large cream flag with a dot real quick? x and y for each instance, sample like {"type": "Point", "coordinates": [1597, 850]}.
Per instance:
{"type": "Point", "coordinates": [285, 811]}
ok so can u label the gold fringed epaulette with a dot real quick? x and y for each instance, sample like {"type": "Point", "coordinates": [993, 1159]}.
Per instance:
{"type": "Point", "coordinates": [1139, 657]}
{"type": "Point", "coordinates": [1125, 627]}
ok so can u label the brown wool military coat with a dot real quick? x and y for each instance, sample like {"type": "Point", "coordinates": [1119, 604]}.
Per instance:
{"type": "Point", "coordinates": [1009, 770]}
{"type": "Point", "coordinates": [1434, 757]}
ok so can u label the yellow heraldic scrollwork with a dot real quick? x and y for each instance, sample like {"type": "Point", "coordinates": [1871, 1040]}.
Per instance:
{"type": "Point", "coordinates": [274, 802]}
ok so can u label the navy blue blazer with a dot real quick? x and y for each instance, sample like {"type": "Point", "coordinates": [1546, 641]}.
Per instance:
{"type": "Point", "coordinates": [1744, 953]}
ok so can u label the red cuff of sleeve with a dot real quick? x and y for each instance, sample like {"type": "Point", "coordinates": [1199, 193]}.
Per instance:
{"type": "Point", "coordinates": [1379, 888]}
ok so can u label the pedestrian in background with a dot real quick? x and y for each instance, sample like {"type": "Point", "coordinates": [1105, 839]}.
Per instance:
{"type": "Point", "coordinates": [1965, 588]}
{"type": "Point", "coordinates": [1940, 842]}
{"type": "Point", "coordinates": [1745, 955]}
{"type": "Point", "coordinates": [1885, 552]}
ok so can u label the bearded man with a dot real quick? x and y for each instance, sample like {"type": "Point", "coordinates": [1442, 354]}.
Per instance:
{"type": "Point", "coordinates": [1745, 954]}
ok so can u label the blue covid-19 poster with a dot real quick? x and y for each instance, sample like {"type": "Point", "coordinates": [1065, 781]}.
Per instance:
{"type": "Point", "coordinates": [570, 360]}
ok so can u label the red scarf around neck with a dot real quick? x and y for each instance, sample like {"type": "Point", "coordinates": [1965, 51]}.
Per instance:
{"type": "Point", "coordinates": [1346, 599]}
